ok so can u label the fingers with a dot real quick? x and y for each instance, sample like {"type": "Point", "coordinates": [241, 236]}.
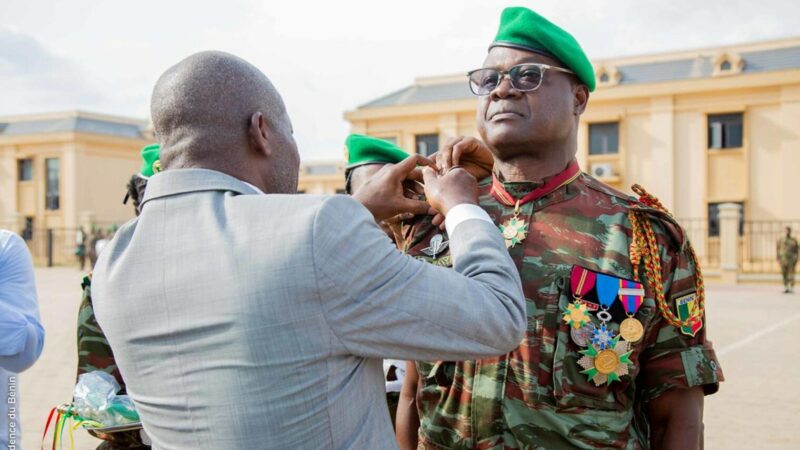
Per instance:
{"type": "Point", "coordinates": [415, 207]}
{"type": "Point", "coordinates": [429, 176]}
{"type": "Point", "coordinates": [401, 170]}
{"type": "Point", "coordinates": [438, 219]}
{"type": "Point", "coordinates": [444, 158]}
{"type": "Point", "coordinates": [415, 174]}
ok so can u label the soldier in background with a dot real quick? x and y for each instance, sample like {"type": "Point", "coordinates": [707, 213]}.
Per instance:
{"type": "Point", "coordinates": [787, 257]}
{"type": "Point", "coordinates": [94, 352]}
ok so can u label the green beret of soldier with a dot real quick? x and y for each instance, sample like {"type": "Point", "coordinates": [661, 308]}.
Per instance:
{"type": "Point", "coordinates": [524, 29]}
{"type": "Point", "coordinates": [362, 150]}
{"type": "Point", "coordinates": [150, 161]}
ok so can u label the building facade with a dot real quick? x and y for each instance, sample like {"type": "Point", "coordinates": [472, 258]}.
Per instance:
{"type": "Point", "coordinates": [63, 171]}
{"type": "Point", "coordinates": [697, 128]}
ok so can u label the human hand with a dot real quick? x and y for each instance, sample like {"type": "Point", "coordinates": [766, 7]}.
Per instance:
{"type": "Point", "coordinates": [444, 191]}
{"type": "Point", "coordinates": [383, 193]}
{"type": "Point", "coordinates": [467, 152]}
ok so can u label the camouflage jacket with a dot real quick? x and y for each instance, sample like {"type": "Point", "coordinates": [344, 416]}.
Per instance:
{"type": "Point", "coordinates": [787, 250]}
{"type": "Point", "coordinates": [535, 396]}
{"type": "Point", "coordinates": [94, 353]}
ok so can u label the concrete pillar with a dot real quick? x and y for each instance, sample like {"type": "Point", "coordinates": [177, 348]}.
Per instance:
{"type": "Point", "coordinates": [729, 216]}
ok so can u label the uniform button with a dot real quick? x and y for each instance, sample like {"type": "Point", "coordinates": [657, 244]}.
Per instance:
{"type": "Point", "coordinates": [713, 365]}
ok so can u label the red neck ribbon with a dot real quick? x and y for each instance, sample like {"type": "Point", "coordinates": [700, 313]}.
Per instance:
{"type": "Point", "coordinates": [569, 174]}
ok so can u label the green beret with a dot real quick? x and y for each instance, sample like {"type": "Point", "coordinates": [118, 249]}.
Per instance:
{"type": "Point", "coordinates": [361, 150]}
{"type": "Point", "coordinates": [150, 162]}
{"type": "Point", "coordinates": [524, 29]}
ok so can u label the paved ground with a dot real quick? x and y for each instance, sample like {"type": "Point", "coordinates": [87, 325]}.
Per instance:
{"type": "Point", "coordinates": [755, 329]}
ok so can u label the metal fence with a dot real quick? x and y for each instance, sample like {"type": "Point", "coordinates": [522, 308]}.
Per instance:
{"type": "Point", "coordinates": [58, 246]}
{"type": "Point", "coordinates": [759, 244]}
{"type": "Point", "coordinates": [706, 247]}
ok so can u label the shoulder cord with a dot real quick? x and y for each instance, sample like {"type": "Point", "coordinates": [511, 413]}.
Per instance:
{"type": "Point", "coordinates": [644, 247]}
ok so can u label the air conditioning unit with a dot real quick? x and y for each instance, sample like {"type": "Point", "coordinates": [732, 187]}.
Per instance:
{"type": "Point", "coordinates": [604, 170]}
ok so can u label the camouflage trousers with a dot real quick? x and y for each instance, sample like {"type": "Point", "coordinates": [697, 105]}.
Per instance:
{"type": "Point", "coordinates": [788, 270]}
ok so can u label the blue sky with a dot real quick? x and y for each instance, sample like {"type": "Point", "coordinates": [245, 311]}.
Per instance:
{"type": "Point", "coordinates": [324, 57]}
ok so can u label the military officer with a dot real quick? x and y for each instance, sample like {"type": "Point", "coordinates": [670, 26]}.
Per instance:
{"type": "Point", "coordinates": [616, 354]}
{"type": "Point", "coordinates": [94, 352]}
{"type": "Point", "coordinates": [787, 257]}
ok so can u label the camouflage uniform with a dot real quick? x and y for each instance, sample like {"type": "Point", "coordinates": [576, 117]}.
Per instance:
{"type": "Point", "coordinates": [535, 396]}
{"type": "Point", "coordinates": [787, 255]}
{"type": "Point", "coordinates": [94, 353]}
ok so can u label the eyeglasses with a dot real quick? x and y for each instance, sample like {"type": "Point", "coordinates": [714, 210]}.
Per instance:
{"type": "Point", "coordinates": [524, 78]}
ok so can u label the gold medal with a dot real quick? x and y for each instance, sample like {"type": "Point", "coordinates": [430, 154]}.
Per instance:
{"type": "Point", "coordinates": [607, 365]}
{"type": "Point", "coordinates": [631, 329]}
{"type": "Point", "coordinates": [576, 315]}
{"type": "Point", "coordinates": [514, 231]}
{"type": "Point", "coordinates": [606, 361]}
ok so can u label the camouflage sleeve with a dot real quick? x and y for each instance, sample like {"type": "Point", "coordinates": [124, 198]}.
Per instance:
{"type": "Point", "coordinates": [94, 352]}
{"type": "Point", "coordinates": [678, 357]}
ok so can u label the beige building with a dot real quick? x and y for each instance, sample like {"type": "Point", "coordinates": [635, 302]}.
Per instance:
{"type": "Point", "coordinates": [61, 171]}
{"type": "Point", "coordinates": [697, 128]}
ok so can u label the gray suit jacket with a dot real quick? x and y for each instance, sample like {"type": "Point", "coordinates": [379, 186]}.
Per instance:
{"type": "Point", "coordinates": [259, 321]}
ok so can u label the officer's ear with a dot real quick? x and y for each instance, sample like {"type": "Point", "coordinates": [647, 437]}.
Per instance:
{"type": "Point", "coordinates": [258, 133]}
{"type": "Point", "coordinates": [580, 93]}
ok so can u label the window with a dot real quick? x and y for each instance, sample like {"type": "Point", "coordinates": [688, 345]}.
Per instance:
{"type": "Point", "coordinates": [392, 139]}
{"type": "Point", "coordinates": [52, 200]}
{"type": "Point", "coordinates": [713, 218]}
{"type": "Point", "coordinates": [725, 130]}
{"type": "Point", "coordinates": [25, 169]}
{"type": "Point", "coordinates": [604, 78]}
{"type": "Point", "coordinates": [427, 144]}
{"type": "Point", "coordinates": [725, 66]}
{"type": "Point", "coordinates": [604, 138]}
{"type": "Point", "coordinates": [341, 191]}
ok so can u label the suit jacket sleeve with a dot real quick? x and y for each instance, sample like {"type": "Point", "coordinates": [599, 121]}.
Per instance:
{"type": "Point", "coordinates": [379, 302]}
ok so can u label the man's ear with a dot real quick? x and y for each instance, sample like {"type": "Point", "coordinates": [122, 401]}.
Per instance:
{"type": "Point", "coordinates": [258, 132]}
{"type": "Point", "coordinates": [581, 95]}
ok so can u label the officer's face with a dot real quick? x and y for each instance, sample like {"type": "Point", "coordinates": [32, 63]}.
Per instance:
{"type": "Point", "coordinates": [513, 122]}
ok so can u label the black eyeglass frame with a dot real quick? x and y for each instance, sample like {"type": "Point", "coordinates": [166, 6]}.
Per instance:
{"type": "Point", "coordinates": [503, 73]}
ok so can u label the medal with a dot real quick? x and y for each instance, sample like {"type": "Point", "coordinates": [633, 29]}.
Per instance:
{"type": "Point", "coordinates": [602, 337]}
{"type": "Point", "coordinates": [604, 366]}
{"type": "Point", "coordinates": [515, 229]}
{"type": "Point", "coordinates": [631, 329]}
{"type": "Point", "coordinates": [576, 315]}
{"type": "Point", "coordinates": [631, 295]}
{"type": "Point", "coordinates": [583, 335]}
{"type": "Point", "coordinates": [436, 245]}
{"type": "Point", "coordinates": [582, 281]}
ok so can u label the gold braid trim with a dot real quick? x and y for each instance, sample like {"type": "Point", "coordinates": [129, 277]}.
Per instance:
{"type": "Point", "coordinates": [644, 247]}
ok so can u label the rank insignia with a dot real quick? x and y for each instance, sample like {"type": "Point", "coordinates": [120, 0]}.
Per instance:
{"type": "Point", "coordinates": [607, 365]}
{"type": "Point", "coordinates": [687, 309]}
{"type": "Point", "coordinates": [436, 246]}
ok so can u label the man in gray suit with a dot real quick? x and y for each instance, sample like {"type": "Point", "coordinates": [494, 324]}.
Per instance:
{"type": "Point", "coordinates": [247, 321]}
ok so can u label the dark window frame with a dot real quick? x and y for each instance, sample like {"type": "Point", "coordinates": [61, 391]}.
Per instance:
{"type": "Point", "coordinates": [25, 166]}
{"type": "Point", "coordinates": [606, 144]}
{"type": "Point", "coordinates": [728, 134]}
{"type": "Point", "coordinates": [52, 191]}
{"type": "Point", "coordinates": [427, 139]}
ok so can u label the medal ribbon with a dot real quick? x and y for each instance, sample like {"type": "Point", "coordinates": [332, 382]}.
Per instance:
{"type": "Point", "coordinates": [582, 281]}
{"type": "Point", "coordinates": [567, 176]}
{"type": "Point", "coordinates": [631, 294]}
{"type": "Point", "coordinates": [607, 290]}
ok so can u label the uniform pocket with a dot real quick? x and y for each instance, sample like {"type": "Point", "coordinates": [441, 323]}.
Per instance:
{"type": "Point", "coordinates": [571, 388]}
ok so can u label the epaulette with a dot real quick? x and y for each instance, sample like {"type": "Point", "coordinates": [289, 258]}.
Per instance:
{"type": "Point", "coordinates": [644, 249]}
